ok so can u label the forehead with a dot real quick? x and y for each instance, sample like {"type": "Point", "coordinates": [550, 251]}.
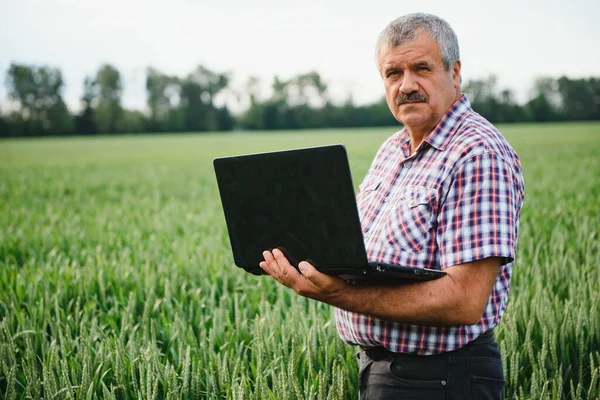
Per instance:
{"type": "Point", "coordinates": [422, 48]}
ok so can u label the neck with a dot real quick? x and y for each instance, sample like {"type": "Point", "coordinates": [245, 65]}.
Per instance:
{"type": "Point", "coordinates": [417, 134]}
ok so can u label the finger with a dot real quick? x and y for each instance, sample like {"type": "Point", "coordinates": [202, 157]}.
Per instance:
{"type": "Point", "coordinates": [319, 279]}
{"type": "Point", "coordinates": [272, 262]}
{"type": "Point", "coordinates": [269, 265]}
{"type": "Point", "coordinates": [263, 265]}
{"type": "Point", "coordinates": [282, 261]}
{"type": "Point", "coordinates": [279, 268]}
{"type": "Point", "coordinates": [309, 271]}
{"type": "Point", "coordinates": [285, 268]}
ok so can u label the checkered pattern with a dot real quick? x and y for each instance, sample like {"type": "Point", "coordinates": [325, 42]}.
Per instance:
{"type": "Point", "coordinates": [456, 199]}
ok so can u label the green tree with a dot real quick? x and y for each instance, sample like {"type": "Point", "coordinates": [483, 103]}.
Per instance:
{"type": "Point", "coordinates": [580, 98]}
{"type": "Point", "coordinates": [163, 98]}
{"type": "Point", "coordinates": [482, 95]}
{"type": "Point", "coordinates": [295, 103]}
{"type": "Point", "coordinates": [302, 102]}
{"type": "Point", "coordinates": [253, 117]}
{"type": "Point", "coordinates": [197, 101]}
{"type": "Point", "coordinates": [4, 127]}
{"type": "Point", "coordinates": [275, 109]}
{"type": "Point", "coordinates": [494, 104]}
{"type": "Point", "coordinates": [85, 122]}
{"type": "Point", "coordinates": [132, 121]}
{"type": "Point", "coordinates": [107, 90]}
{"type": "Point", "coordinates": [546, 103]}
{"type": "Point", "coordinates": [540, 109]}
{"type": "Point", "coordinates": [36, 91]}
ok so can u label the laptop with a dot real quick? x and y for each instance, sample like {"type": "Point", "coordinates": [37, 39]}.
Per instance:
{"type": "Point", "coordinates": [301, 201]}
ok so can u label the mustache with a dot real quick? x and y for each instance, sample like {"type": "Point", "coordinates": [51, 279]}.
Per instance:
{"type": "Point", "coordinates": [411, 97]}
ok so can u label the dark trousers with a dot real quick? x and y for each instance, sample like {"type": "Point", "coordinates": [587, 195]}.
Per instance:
{"type": "Point", "coordinates": [471, 372]}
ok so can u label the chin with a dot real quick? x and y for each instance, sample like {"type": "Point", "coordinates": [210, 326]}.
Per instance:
{"type": "Point", "coordinates": [412, 119]}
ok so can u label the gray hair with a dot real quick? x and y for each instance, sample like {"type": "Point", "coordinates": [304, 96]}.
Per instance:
{"type": "Point", "coordinates": [405, 28]}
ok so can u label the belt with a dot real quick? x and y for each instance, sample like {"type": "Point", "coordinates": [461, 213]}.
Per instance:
{"type": "Point", "coordinates": [381, 353]}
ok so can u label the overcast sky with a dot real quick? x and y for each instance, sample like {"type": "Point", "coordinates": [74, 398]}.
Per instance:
{"type": "Point", "coordinates": [516, 40]}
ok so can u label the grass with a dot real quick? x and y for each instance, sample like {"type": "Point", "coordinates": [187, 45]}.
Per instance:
{"type": "Point", "coordinates": [116, 278]}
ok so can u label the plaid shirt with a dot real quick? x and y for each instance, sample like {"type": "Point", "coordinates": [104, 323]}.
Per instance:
{"type": "Point", "coordinates": [457, 199]}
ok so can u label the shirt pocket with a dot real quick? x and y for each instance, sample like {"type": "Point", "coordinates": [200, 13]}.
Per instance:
{"type": "Point", "coordinates": [408, 226]}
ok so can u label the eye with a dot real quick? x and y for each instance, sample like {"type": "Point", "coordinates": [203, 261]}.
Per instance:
{"type": "Point", "coordinates": [392, 73]}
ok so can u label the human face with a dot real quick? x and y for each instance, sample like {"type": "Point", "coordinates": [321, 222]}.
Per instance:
{"type": "Point", "coordinates": [418, 88]}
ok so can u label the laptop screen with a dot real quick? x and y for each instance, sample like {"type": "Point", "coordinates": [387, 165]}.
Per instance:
{"type": "Point", "coordinates": [301, 201]}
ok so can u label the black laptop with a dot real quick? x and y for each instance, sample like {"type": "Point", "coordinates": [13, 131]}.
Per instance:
{"type": "Point", "coordinates": [301, 201]}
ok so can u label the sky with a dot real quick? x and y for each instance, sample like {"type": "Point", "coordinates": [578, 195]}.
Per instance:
{"type": "Point", "coordinates": [515, 40]}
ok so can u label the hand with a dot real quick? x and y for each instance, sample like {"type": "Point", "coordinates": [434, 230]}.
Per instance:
{"type": "Point", "coordinates": [308, 282]}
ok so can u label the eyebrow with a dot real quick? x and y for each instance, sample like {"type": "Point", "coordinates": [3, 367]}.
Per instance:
{"type": "Point", "coordinates": [422, 63]}
{"type": "Point", "coordinates": [416, 64]}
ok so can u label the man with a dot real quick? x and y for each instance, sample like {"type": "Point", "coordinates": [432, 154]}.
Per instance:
{"type": "Point", "coordinates": [445, 192]}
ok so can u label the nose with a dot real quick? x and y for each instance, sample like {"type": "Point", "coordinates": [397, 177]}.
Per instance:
{"type": "Point", "coordinates": [409, 84]}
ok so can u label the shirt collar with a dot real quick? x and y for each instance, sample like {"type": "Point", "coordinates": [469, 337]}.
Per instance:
{"type": "Point", "coordinates": [443, 132]}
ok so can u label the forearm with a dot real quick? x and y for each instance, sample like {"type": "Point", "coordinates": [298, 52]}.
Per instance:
{"type": "Point", "coordinates": [440, 302]}
{"type": "Point", "coordinates": [458, 298]}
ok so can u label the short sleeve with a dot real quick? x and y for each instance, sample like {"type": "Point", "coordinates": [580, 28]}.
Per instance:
{"type": "Point", "coordinates": [479, 216]}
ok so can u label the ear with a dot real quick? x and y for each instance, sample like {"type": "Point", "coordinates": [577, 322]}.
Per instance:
{"type": "Point", "coordinates": [456, 78]}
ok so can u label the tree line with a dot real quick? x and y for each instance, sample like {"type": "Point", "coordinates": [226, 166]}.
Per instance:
{"type": "Point", "coordinates": [194, 103]}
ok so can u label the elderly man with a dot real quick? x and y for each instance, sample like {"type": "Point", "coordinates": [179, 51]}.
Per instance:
{"type": "Point", "coordinates": [445, 192]}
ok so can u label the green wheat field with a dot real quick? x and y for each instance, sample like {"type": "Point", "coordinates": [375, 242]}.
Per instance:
{"type": "Point", "coordinates": [117, 281]}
